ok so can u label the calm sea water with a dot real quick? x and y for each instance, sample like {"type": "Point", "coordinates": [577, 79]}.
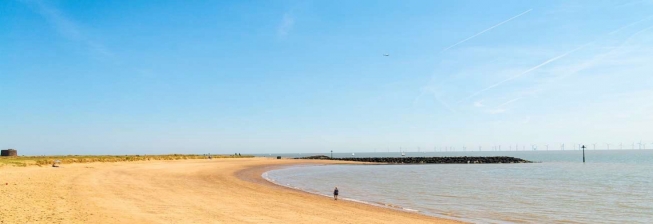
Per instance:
{"type": "Point", "coordinates": [611, 187]}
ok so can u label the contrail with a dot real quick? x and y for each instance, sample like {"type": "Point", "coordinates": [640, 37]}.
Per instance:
{"type": "Point", "coordinates": [509, 102]}
{"type": "Point", "coordinates": [525, 72]}
{"type": "Point", "coordinates": [498, 109]}
{"type": "Point", "coordinates": [629, 25]}
{"type": "Point", "coordinates": [488, 29]}
{"type": "Point", "coordinates": [635, 34]}
{"type": "Point", "coordinates": [436, 97]}
{"type": "Point", "coordinates": [67, 27]}
{"type": "Point", "coordinates": [584, 66]}
{"type": "Point", "coordinates": [443, 103]}
{"type": "Point", "coordinates": [598, 58]}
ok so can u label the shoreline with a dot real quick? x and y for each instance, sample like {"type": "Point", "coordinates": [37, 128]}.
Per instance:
{"type": "Point", "coordinates": [377, 204]}
{"type": "Point", "coordinates": [260, 171]}
{"type": "Point", "coordinates": [184, 191]}
{"type": "Point", "coordinates": [370, 203]}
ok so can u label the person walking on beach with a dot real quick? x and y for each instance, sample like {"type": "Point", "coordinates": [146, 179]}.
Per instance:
{"type": "Point", "coordinates": [335, 194]}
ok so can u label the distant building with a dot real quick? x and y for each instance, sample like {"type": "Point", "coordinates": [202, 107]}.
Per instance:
{"type": "Point", "coordinates": [8, 152]}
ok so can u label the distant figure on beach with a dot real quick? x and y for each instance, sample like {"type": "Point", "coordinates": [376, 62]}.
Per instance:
{"type": "Point", "coordinates": [335, 194]}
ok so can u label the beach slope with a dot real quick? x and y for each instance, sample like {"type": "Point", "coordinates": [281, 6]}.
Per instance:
{"type": "Point", "coordinates": [189, 191]}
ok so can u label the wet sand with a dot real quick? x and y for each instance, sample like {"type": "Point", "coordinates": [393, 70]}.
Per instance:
{"type": "Point", "coordinates": [188, 191]}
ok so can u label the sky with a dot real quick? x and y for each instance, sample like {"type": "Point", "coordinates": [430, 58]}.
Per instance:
{"type": "Point", "coordinates": [154, 77]}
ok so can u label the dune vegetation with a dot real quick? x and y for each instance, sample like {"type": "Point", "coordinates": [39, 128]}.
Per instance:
{"type": "Point", "coordinates": [23, 161]}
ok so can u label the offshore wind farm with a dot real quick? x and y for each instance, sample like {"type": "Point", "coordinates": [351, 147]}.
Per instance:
{"type": "Point", "coordinates": [497, 147]}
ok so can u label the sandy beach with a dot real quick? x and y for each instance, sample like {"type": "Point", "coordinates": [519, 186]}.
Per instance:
{"type": "Point", "coordinates": [188, 191]}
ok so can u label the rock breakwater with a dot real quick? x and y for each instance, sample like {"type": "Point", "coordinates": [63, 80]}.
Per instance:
{"type": "Point", "coordinates": [428, 160]}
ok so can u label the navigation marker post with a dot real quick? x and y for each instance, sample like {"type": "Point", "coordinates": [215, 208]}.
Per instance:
{"type": "Point", "coordinates": [583, 153]}
{"type": "Point", "coordinates": [332, 155]}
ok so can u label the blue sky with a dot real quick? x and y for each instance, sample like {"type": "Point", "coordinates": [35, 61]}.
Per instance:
{"type": "Point", "coordinates": [134, 77]}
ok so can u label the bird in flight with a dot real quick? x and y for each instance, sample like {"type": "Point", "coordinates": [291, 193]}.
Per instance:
{"type": "Point", "coordinates": [386, 55]}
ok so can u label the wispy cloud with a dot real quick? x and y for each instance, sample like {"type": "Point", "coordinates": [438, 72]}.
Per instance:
{"type": "Point", "coordinates": [67, 27]}
{"type": "Point", "coordinates": [496, 111]}
{"type": "Point", "coordinates": [597, 59]}
{"type": "Point", "coordinates": [286, 25]}
{"type": "Point", "coordinates": [524, 72]}
{"type": "Point", "coordinates": [633, 3]}
{"type": "Point", "coordinates": [436, 97]}
{"type": "Point", "coordinates": [479, 104]}
{"type": "Point", "coordinates": [445, 104]}
{"type": "Point", "coordinates": [509, 102]}
{"type": "Point", "coordinates": [629, 25]}
{"type": "Point", "coordinates": [565, 71]}
{"type": "Point", "coordinates": [501, 108]}
{"type": "Point", "coordinates": [486, 30]}
{"type": "Point", "coordinates": [635, 34]}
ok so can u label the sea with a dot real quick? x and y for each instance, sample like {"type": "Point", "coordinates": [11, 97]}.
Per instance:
{"type": "Point", "coordinates": [612, 186]}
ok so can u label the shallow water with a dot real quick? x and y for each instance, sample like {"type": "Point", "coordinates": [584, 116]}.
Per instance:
{"type": "Point", "coordinates": [612, 187]}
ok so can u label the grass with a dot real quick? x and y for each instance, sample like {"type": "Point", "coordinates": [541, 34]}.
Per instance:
{"type": "Point", "coordinates": [23, 161]}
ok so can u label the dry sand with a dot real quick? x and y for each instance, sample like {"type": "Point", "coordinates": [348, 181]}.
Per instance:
{"type": "Point", "coordinates": [190, 191]}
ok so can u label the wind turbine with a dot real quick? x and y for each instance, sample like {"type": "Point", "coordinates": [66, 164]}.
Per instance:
{"type": "Point", "coordinates": [621, 146]}
{"type": "Point", "coordinates": [562, 146]}
{"type": "Point", "coordinates": [594, 145]}
{"type": "Point", "coordinates": [499, 147]}
{"type": "Point", "coordinates": [608, 145]}
{"type": "Point", "coordinates": [633, 145]}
